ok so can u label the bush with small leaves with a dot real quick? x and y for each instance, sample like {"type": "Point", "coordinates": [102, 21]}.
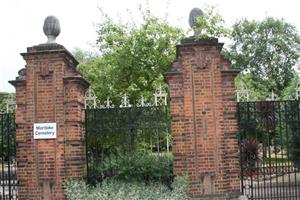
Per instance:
{"type": "Point", "coordinates": [121, 190]}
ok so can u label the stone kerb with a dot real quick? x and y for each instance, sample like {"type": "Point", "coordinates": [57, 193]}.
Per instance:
{"type": "Point", "coordinates": [49, 90]}
{"type": "Point", "coordinates": [203, 107]}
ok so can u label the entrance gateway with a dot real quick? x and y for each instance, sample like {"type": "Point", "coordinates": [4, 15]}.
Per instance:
{"type": "Point", "coordinates": [201, 85]}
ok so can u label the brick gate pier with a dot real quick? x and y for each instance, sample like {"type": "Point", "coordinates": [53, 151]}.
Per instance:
{"type": "Point", "coordinates": [49, 90]}
{"type": "Point", "coordinates": [203, 108]}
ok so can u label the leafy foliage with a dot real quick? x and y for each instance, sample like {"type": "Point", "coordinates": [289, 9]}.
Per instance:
{"type": "Point", "coordinates": [289, 92]}
{"type": "Point", "coordinates": [266, 51]}
{"type": "Point", "coordinates": [3, 100]}
{"type": "Point", "coordinates": [133, 58]}
{"type": "Point", "coordinates": [120, 190]}
{"type": "Point", "coordinates": [210, 25]}
{"type": "Point", "coordinates": [137, 167]}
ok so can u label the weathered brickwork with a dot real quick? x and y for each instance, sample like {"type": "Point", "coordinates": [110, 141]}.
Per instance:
{"type": "Point", "coordinates": [49, 90]}
{"type": "Point", "coordinates": [204, 126]}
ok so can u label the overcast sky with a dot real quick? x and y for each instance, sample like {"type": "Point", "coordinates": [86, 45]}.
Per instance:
{"type": "Point", "coordinates": [22, 21]}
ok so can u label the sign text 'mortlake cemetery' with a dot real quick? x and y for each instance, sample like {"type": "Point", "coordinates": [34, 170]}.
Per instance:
{"type": "Point", "coordinates": [44, 130]}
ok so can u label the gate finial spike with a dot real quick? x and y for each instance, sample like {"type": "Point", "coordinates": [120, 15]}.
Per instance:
{"type": "Point", "coordinates": [160, 97]}
{"type": "Point", "coordinates": [90, 99]}
{"type": "Point", "coordinates": [242, 93]}
{"type": "Point", "coordinates": [125, 102]}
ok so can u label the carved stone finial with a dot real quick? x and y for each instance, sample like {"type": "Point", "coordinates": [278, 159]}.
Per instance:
{"type": "Point", "coordinates": [195, 12]}
{"type": "Point", "coordinates": [51, 28]}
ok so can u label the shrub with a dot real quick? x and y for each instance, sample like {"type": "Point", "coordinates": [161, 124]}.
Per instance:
{"type": "Point", "coordinates": [137, 167]}
{"type": "Point", "coordinates": [120, 190]}
{"type": "Point", "coordinates": [249, 156]}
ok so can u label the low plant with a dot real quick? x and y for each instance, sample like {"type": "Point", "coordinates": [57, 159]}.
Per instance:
{"type": "Point", "coordinates": [122, 190]}
{"type": "Point", "coordinates": [134, 167]}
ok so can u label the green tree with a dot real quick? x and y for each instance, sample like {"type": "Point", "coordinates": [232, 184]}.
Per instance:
{"type": "Point", "coordinates": [132, 58]}
{"type": "Point", "coordinates": [266, 52]}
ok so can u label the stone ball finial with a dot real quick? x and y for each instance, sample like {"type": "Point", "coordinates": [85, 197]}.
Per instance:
{"type": "Point", "coordinates": [195, 12]}
{"type": "Point", "coordinates": [51, 28]}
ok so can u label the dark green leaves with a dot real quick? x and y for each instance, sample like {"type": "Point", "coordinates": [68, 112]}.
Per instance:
{"type": "Point", "coordinates": [133, 58]}
{"type": "Point", "coordinates": [267, 51]}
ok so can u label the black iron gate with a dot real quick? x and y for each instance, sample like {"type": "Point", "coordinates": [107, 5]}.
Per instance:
{"type": "Point", "coordinates": [8, 165]}
{"type": "Point", "coordinates": [117, 135]}
{"type": "Point", "coordinates": [269, 139]}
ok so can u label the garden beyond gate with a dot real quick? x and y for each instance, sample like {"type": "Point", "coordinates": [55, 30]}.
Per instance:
{"type": "Point", "coordinates": [128, 141]}
{"type": "Point", "coordinates": [269, 140]}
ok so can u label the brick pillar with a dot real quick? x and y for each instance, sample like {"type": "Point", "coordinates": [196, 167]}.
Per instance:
{"type": "Point", "coordinates": [204, 126]}
{"type": "Point", "coordinates": [49, 90]}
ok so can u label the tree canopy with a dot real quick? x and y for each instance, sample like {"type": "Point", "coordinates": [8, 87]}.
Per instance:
{"type": "Point", "coordinates": [133, 58]}
{"type": "Point", "coordinates": [266, 51]}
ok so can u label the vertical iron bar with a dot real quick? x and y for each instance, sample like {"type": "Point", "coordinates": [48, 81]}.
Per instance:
{"type": "Point", "coordinates": [248, 106]}
{"type": "Point", "coordinates": [288, 149]}
{"type": "Point", "coordinates": [262, 113]}
{"type": "Point", "coordinates": [269, 126]}
{"type": "Point", "coordinates": [250, 138]}
{"type": "Point", "coordinates": [240, 146]}
{"type": "Point", "coordinates": [15, 153]}
{"type": "Point", "coordinates": [8, 155]}
{"type": "Point", "coordinates": [255, 119]}
{"type": "Point", "coordinates": [166, 123]}
{"type": "Point", "coordinates": [277, 109]}
{"type": "Point", "coordinates": [281, 126]}
{"type": "Point", "coordinates": [2, 154]}
{"type": "Point", "coordinates": [86, 144]}
{"type": "Point", "coordinates": [294, 132]}
{"type": "Point", "coordinates": [297, 132]}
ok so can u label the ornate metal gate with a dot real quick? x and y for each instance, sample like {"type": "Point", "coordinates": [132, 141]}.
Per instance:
{"type": "Point", "coordinates": [269, 139]}
{"type": "Point", "coordinates": [118, 135]}
{"type": "Point", "coordinates": [8, 165]}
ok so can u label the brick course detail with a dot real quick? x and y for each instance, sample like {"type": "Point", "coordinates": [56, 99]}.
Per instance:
{"type": "Point", "coordinates": [49, 90]}
{"type": "Point", "coordinates": [203, 108]}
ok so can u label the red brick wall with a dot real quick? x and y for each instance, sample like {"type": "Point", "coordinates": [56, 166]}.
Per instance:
{"type": "Point", "coordinates": [203, 108]}
{"type": "Point", "coordinates": [50, 91]}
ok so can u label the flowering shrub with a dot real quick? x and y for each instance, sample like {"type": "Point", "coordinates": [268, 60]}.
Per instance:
{"type": "Point", "coordinates": [121, 190]}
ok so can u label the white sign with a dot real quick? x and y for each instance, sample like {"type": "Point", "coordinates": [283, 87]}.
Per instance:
{"type": "Point", "coordinates": [44, 130]}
